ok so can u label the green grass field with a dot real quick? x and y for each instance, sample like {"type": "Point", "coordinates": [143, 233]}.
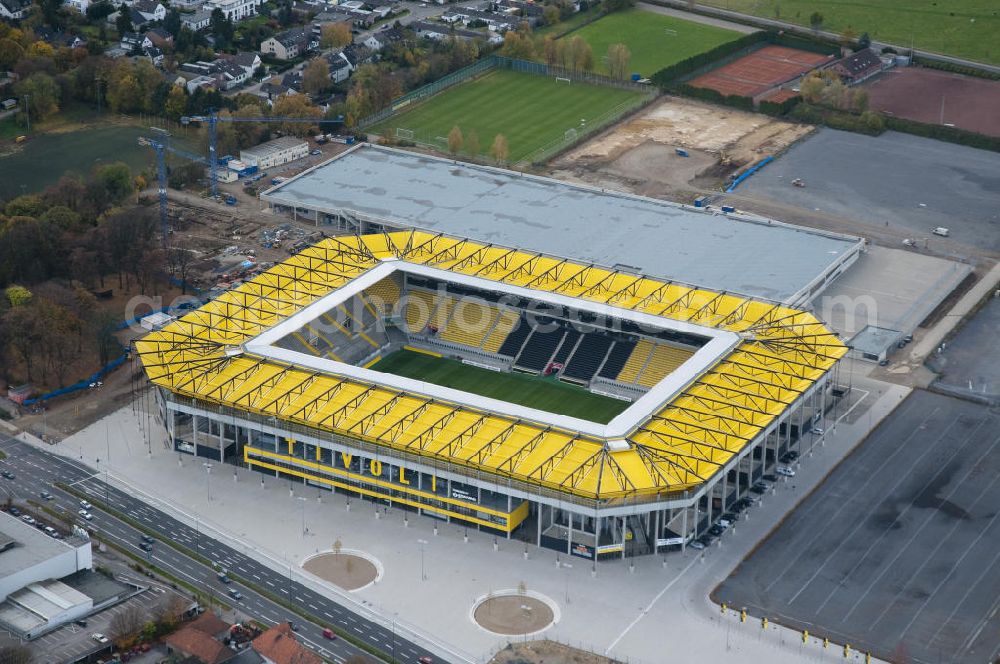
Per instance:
{"type": "Point", "coordinates": [645, 34]}
{"type": "Point", "coordinates": [546, 394]}
{"type": "Point", "coordinates": [964, 28]}
{"type": "Point", "coordinates": [531, 111]}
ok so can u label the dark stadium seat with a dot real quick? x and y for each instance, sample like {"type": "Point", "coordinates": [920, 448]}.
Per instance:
{"type": "Point", "coordinates": [588, 356]}
{"type": "Point", "coordinates": [512, 344]}
{"type": "Point", "coordinates": [617, 358]}
{"type": "Point", "coordinates": [541, 345]}
{"type": "Point", "coordinates": [572, 335]}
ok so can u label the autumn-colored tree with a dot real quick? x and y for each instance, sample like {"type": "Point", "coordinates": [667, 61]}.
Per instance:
{"type": "Point", "coordinates": [550, 50]}
{"type": "Point", "coordinates": [472, 143]}
{"type": "Point", "coordinates": [581, 55]}
{"type": "Point", "coordinates": [500, 150]}
{"type": "Point", "coordinates": [618, 60]}
{"type": "Point", "coordinates": [316, 76]}
{"type": "Point", "coordinates": [455, 140]}
{"type": "Point", "coordinates": [335, 35]}
{"type": "Point", "coordinates": [296, 106]}
{"type": "Point", "coordinates": [176, 105]}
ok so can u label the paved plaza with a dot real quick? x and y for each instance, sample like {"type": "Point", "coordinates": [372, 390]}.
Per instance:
{"type": "Point", "coordinates": [656, 612]}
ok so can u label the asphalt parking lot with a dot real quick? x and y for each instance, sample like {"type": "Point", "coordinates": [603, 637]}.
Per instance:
{"type": "Point", "coordinates": [971, 359]}
{"type": "Point", "coordinates": [902, 181]}
{"type": "Point", "coordinates": [898, 551]}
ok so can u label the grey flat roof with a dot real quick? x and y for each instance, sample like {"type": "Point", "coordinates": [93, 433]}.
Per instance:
{"type": "Point", "coordinates": [31, 548]}
{"type": "Point", "coordinates": [755, 257]}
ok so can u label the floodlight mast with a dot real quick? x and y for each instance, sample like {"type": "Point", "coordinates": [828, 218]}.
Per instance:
{"type": "Point", "coordinates": [213, 118]}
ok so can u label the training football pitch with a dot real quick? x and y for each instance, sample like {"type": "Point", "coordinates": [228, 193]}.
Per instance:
{"type": "Point", "coordinates": [546, 394]}
{"type": "Point", "coordinates": [654, 40]}
{"type": "Point", "coordinates": [531, 111]}
{"type": "Point", "coordinates": [966, 28]}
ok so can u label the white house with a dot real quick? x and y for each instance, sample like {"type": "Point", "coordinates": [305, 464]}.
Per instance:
{"type": "Point", "coordinates": [234, 10]}
{"type": "Point", "coordinates": [78, 5]}
{"type": "Point", "coordinates": [151, 10]}
{"type": "Point", "coordinates": [14, 9]}
{"type": "Point", "coordinates": [199, 20]}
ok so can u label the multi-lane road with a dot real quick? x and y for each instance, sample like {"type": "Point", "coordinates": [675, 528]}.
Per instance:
{"type": "Point", "coordinates": [36, 470]}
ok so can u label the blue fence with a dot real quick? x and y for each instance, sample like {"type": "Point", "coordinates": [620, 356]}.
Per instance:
{"type": "Point", "coordinates": [748, 172]}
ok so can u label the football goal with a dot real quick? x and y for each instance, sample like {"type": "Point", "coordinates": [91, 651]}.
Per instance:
{"type": "Point", "coordinates": [404, 133]}
{"type": "Point", "coordinates": [570, 135]}
{"type": "Point", "coordinates": [563, 79]}
{"type": "Point", "coordinates": [670, 32]}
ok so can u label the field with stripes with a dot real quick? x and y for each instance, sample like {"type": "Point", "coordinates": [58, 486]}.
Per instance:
{"type": "Point", "coordinates": [531, 111]}
{"type": "Point", "coordinates": [539, 392]}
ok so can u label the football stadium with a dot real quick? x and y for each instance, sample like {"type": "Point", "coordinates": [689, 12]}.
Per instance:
{"type": "Point", "coordinates": [588, 409]}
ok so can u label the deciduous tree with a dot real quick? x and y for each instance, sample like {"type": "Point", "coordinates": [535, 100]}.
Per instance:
{"type": "Point", "coordinates": [316, 76]}
{"type": "Point", "coordinates": [500, 150]}
{"type": "Point", "coordinates": [335, 35]}
{"type": "Point", "coordinates": [618, 60]}
{"type": "Point", "coordinates": [455, 140]}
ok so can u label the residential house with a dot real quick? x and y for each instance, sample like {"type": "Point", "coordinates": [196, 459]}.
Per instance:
{"type": "Point", "coordinates": [498, 22]}
{"type": "Point", "coordinates": [384, 38]}
{"type": "Point", "coordinates": [78, 5]}
{"type": "Point", "coordinates": [151, 10]}
{"type": "Point", "coordinates": [201, 640]}
{"type": "Point", "coordinates": [131, 41]}
{"type": "Point", "coordinates": [292, 80]}
{"type": "Point", "coordinates": [136, 17]}
{"type": "Point", "coordinates": [288, 44]}
{"type": "Point", "coordinates": [225, 74]}
{"type": "Point", "coordinates": [357, 55]}
{"type": "Point", "coordinates": [858, 66]}
{"type": "Point", "coordinates": [519, 8]}
{"type": "Point", "coordinates": [204, 82]}
{"type": "Point", "coordinates": [15, 9]}
{"type": "Point", "coordinates": [187, 5]}
{"type": "Point", "coordinates": [249, 60]}
{"type": "Point", "coordinates": [199, 20]}
{"type": "Point", "coordinates": [272, 89]}
{"type": "Point", "coordinates": [340, 68]}
{"type": "Point", "coordinates": [160, 37]}
{"type": "Point", "coordinates": [154, 54]}
{"type": "Point", "coordinates": [234, 10]}
{"type": "Point", "coordinates": [58, 39]}
{"type": "Point", "coordinates": [278, 646]}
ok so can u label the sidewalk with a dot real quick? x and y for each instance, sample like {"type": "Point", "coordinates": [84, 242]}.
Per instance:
{"type": "Point", "coordinates": [659, 612]}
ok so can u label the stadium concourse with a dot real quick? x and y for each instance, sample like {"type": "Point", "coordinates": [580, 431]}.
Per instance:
{"type": "Point", "coordinates": [280, 375]}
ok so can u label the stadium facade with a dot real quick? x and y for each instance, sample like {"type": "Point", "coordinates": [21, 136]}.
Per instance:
{"type": "Point", "coordinates": [281, 375]}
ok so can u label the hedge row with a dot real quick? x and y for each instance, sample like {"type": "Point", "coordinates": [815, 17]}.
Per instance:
{"type": "Point", "coordinates": [777, 109]}
{"type": "Point", "coordinates": [956, 69]}
{"type": "Point", "coordinates": [672, 73]}
{"type": "Point", "coordinates": [943, 133]}
{"type": "Point", "coordinates": [869, 123]}
{"type": "Point", "coordinates": [714, 96]}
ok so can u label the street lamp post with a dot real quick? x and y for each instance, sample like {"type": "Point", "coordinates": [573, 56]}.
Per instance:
{"type": "Point", "coordinates": [208, 480]}
{"type": "Point", "coordinates": [302, 500]}
{"type": "Point", "coordinates": [423, 575]}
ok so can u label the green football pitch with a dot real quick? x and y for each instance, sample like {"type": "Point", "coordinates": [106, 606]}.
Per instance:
{"type": "Point", "coordinates": [546, 394]}
{"type": "Point", "coordinates": [654, 40]}
{"type": "Point", "coordinates": [965, 28]}
{"type": "Point", "coordinates": [531, 111]}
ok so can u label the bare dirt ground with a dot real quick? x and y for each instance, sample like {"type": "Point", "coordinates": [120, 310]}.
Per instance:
{"type": "Point", "coordinates": [513, 614]}
{"type": "Point", "coordinates": [345, 570]}
{"type": "Point", "coordinates": [547, 652]}
{"type": "Point", "coordinates": [640, 156]}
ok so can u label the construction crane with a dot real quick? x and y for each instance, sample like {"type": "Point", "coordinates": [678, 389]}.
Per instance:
{"type": "Point", "coordinates": [213, 118]}
{"type": "Point", "coordinates": [161, 147]}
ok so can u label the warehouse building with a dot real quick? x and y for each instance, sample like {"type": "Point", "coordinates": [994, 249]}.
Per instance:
{"type": "Point", "coordinates": [275, 153]}
{"type": "Point", "coordinates": [33, 600]}
{"type": "Point", "coordinates": [369, 188]}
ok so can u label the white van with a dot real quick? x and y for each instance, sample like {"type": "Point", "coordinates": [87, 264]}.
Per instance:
{"type": "Point", "coordinates": [942, 231]}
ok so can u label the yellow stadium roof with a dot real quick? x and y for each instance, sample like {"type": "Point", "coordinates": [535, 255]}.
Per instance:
{"type": "Point", "coordinates": [781, 353]}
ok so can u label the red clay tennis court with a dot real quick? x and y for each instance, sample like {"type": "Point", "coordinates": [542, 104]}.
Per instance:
{"type": "Point", "coordinates": [938, 97]}
{"type": "Point", "coordinates": [760, 71]}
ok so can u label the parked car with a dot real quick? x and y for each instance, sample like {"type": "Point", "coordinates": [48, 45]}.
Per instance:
{"type": "Point", "coordinates": [817, 431]}
{"type": "Point", "coordinates": [224, 579]}
{"type": "Point", "coordinates": [14, 511]}
{"type": "Point", "coordinates": [235, 594]}
{"type": "Point", "coordinates": [46, 495]}
{"type": "Point", "coordinates": [100, 638]}
{"type": "Point", "coordinates": [697, 545]}
{"type": "Point", "coordinates": [85, 514]}
{"type": "Point", "coordinates": [329, 634]}
{"type": "Point", "coordinates": [147, 539]}
{"type": "Point", "coordinates": [786, 471]}
{"type": "Point", "coordinates": [316, 152]}
{"type": "Point", "coordinates": [85, 505]}
{"type": "Point", "coordinates": [716, 530]}
{"type": "Point", "coordinates": [770, 478]}
{"type": "Point", "coordinates": [425, 660]}
{"type": "Point", "coordinates": [7, 475]}
{"type": "Point", "coordinates": [28, 520]}
{"type": "Point", "coordinates": [146, 546]}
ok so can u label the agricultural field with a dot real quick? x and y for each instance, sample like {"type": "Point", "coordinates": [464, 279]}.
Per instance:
{"type": "Point", "coordinates": [655, 40]}
{"type": "Point", "coordinates": [964, 28]}
{"type": "Point", "coordinates": [548, 394]}
{"type": "Point", "coordinates": [530, 111]}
